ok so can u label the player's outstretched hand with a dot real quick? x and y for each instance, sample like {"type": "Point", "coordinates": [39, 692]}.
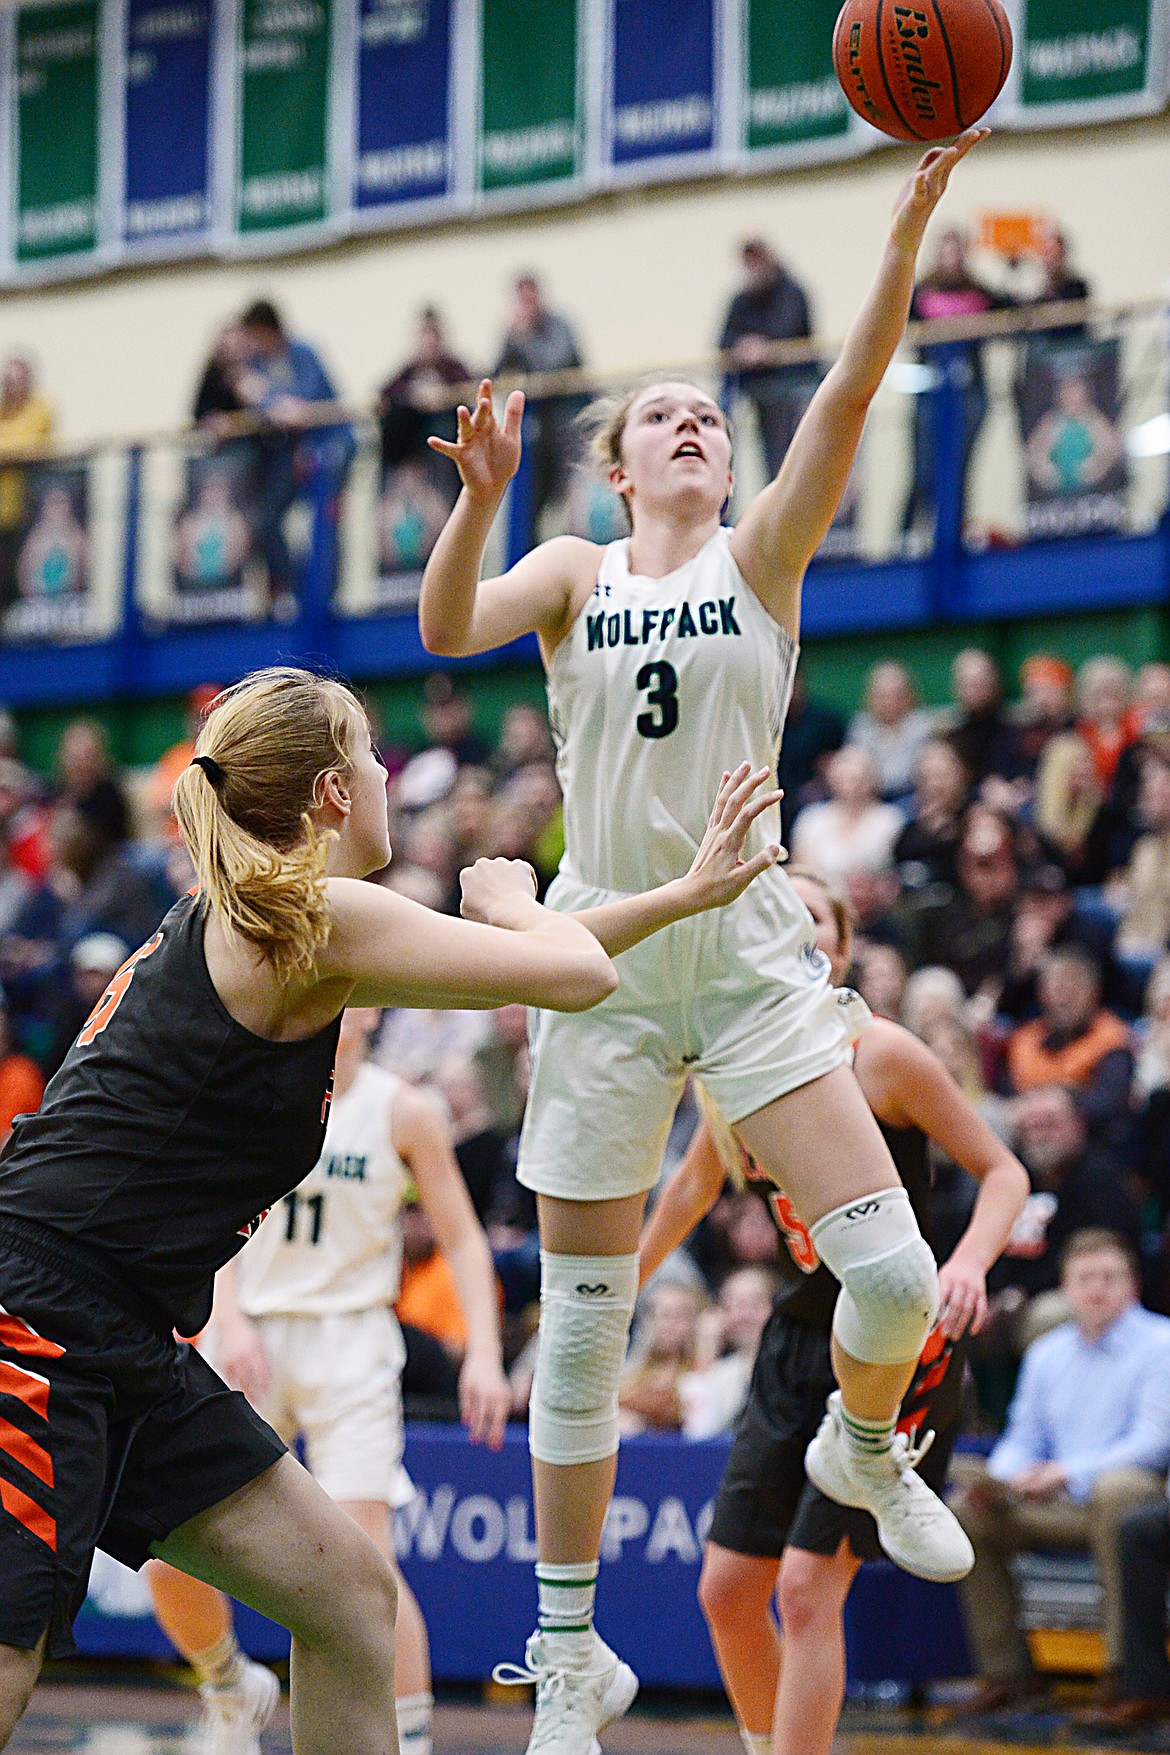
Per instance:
{"type": "Point", "coordinates": [485, 1400]}
{"type": "Point", "coordinates": [923, 189]}
{"type": "Point", "coordinates": [718, 874]}
{"type": "Point", "coordinates": [497, 891]}
{"type": "Point", "coordinates": [486, 454]}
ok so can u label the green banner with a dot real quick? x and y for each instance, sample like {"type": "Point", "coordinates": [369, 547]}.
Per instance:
{"type": "Point", "coordinates": [1091, 52]}
{"type": "Point", "coordinates": [792, 92]}
{"type": "Point", "coordinates": [531, 125]}
{"type": "Point", "coordinates": [56, 204]}
{"type": "Point", "coordinates": [285, 70]}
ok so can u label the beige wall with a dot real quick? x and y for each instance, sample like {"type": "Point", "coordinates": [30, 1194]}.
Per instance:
{"type": "Point", "coordinates": [645, 276]}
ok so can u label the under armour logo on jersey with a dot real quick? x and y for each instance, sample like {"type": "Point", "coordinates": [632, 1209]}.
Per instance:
{"type": "Point", "coordinates": [326, 1101]}
{"type": "Point", "coordinates": [253, 1225]}
{"type": "Point", "coordinates": [598, 1291]}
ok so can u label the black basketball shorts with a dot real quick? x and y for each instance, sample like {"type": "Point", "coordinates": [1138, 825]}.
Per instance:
{"type": "Point", "coordinates": [112, 1434]}
{"type": "Point", "coordinates": [766, 1503]}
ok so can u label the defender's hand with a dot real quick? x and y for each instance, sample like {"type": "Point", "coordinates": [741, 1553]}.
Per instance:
{"type": "Point", "coordinates": [718, 874]}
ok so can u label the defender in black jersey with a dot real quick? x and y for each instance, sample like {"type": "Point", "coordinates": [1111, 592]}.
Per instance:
{"type": "Point", "coordinates": [773, 1532]}
{"type": "Point", "coordinates": [195, 1098]}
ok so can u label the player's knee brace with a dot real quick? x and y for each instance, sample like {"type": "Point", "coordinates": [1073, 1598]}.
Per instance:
{"type": "Point", "coordinates": [586, 1302]}
{"type": "Point", "coordinates": [889, 1282]}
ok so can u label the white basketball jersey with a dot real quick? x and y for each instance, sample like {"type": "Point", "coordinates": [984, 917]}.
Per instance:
{"type": "Point", "coordinates": [659, 687]}
{"type": "Point", "coordinates": [334, 1244]}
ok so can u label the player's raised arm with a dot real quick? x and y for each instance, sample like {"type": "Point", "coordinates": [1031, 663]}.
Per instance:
{"type": "Point", "coordinates": [785, 525]}
{"type": "Point", "coordinates": [457, 612]}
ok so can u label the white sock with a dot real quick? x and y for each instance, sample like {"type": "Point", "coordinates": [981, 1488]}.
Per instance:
{"type": "Point", "coordinates": [756, 1742]}
{"type": "Point", "coordinates": [220, 1665]}
{"type": "Point", "coordinates": [414, 1713]}
{"type": "Point", "coordinates": [566, 1596]}
{"type": "Point", "coordinates": [868, 1438]}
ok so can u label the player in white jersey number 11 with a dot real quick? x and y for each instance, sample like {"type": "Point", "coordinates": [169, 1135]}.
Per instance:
{"type": "Point", "coordinates": [668, 656]}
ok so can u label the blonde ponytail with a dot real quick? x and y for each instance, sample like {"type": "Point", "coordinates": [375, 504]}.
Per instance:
{"type": "Point", "coordinates": [244, 809]}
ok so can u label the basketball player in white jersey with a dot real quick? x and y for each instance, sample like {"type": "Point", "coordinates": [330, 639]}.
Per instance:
{"type": "Point", "coordinates": [304, 1326]}
{"type": "Point", "coordinates": [667, 655]}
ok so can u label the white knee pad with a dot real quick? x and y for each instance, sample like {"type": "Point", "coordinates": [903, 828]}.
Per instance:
{"type": "Point", "coordinates": [889, 1282]}
{"type": "Point", "coordinates": [586, 1302]}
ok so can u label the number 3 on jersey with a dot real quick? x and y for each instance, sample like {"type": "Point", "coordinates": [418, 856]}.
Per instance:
{"type": "Point", "coordinates": [661, 684]}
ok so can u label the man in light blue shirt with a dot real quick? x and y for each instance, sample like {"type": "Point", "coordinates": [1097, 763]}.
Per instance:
{"type": "Point", "coordinates": [1087, 1440]}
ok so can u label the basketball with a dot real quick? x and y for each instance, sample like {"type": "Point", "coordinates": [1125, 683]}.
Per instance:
{"type": "Point", "coordinates": [922, 72]}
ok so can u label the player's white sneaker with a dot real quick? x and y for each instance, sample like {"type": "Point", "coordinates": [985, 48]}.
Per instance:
{"type": "Point", "coordinates": [574, 1699]}
{"type": "Point", "coordinates": [234, 1717]}
{"type": "Point", "coordinates": [915, 1528]}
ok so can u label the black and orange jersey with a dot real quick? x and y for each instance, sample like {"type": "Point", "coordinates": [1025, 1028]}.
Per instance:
{"type": "Point", "coordinates": [808, 1291]}
{"type": "Point", "coordinates": [170, 1129]}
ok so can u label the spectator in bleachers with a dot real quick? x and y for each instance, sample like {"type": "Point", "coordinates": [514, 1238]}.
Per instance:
{"type": "Point", "coordinates": [1106, 718]}
{"type": "Point", "coordinates": [881, 977]}
{"type": "Point", "coordinates": [87, 777]}
{"type": "Point", "coordinates": [949, 290]}
{"type": "Point", "coordinates": [926, 850]}
{"type": "Point", "coordinates": [26, 430]}
{"type": "Point", "coordinates": [713, 1393]}
{"type": "Point", "coordinates": [219, 399]}
{"type": "Point", "coordinates": [1144, 928]}
{"type": "Point", "coordinates": [524, 738]}
{"type": "Point", "coordinates": [21, 1083]}
{"type": "Point", "coordinates": [282, 381]}
{"type": "Point", "coordinates": [1045, 919]}
{"type": "Point", "coordinates": [1087, 1440]}
{"type": "Point", "coordinates": [1076, 1186]}
{"type": "Point", "coordinates": [1075, 1042]}
{"type": "Point", "coordinates": [978, 724]}
{"type": "Point", "coordinates": [1045, 706]}
{"type": "Point", "coordinates": [448, 722]}
{"type": "Point", "coordinates": [851, 829]}
{"type": "Point", "coordinates": [1143, 1692]}
{"type": "Point", "coordinates": [481, 1148]}
{"type": "Point", "coordinates": [892, 726]}
{"type": "Point", "coordinates": [934, 995]}
{"type": "Point", "coordinates": [662, 1352]}
{"type": "Point", "coordinates": [969, 932]}
{"type": "Point", "coordinates": [769, 307]}
{"type": "Point", "coordinates": [539, 339]}
{"type": "Point", "coordinates": [1059, 285]}
{"type": "Point", "coordinates": [15, 885]}
{"type": "Point", "coordinates": [416, 402]}
{"type": "Point", "coordinates": [1151, 695]}
{"type": "Point", "coordinates": [1068, 802]}
{"type": "Point", "coordinates": [812, 731]}
{"type": "Point", "coordinates": [88, 971]}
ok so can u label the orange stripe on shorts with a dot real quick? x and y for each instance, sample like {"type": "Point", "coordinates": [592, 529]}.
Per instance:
{"type": "Point", "coordinates": [27, 1386]}
{"type": "Point", "coordinates": [26, 1511]}
{"type": "Point", "coordinates": [31, 1455]}
{"type": "Point", "coordinates": [16, 1334]}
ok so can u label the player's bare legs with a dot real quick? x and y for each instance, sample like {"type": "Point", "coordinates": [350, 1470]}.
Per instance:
{"type": "Point", "coordinates": [412, 1647]}
{"type": "Point", "coordinates": [812, 1593]}
{"type": "Point", "coordinates": [18, 1675]}
{"type": "Point", "coordinates": [281, 1545]}
{"type": "Point", "coordinates": [735, 1595]}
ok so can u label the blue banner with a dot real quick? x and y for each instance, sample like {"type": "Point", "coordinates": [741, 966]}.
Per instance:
{"type": "Point", "coordinates": [168, 121]}
{"type": "Point", "coordinates": [403, 102]}
{"type": "Point", "coordinates": [663, 89]}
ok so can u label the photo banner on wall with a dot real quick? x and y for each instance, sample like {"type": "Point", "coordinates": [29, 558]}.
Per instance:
{"type": "Point", "coordinates": [663, 83]}
{"type": "Point", "coordinates": [282, 165]}
{"type": "Point", "coordinates": [62, 549]}
{"type": "Point", "coordinates": [530, 101]}
{"type": "Point", "coordinates": [403, 103]}
{"type": "Point", "coordinates": [1088, 60]}
{"type": "Point", "coordinates": [55, 132]}
{"type": "Point", "coordinates": [1074, 447]}
{"type": "Point", "coordinates": [167, 123]}
{"type": "Point", "coordinates": [793, 104]}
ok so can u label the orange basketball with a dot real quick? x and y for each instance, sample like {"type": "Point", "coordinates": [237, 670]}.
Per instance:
{"type": "Point", "coordinates": [922, 70]}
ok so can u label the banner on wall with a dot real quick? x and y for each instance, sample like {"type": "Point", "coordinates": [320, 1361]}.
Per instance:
{"type": "Point", "coordinates": [1074, 450]}
{"type": "Point", "coordinates": [531, 119]}
{"type": "Point", "coordinates": [167, 123]}
{"type": "Point", "coordinates": [62, 542]}
{"type": "Point", "coordinates": [1082, 60]}
{"type": "Point", "coordinates": [664, 82]}
{"type": "Point", "coordinates": [282, 162]}
{"type": "Point", "coordinates": [792, 100]}
{"type": "Point", "coordinates": [55, 132]}
{"type": "Point", "coordinates": [199, 561]}
{"type": "Point", "coordinates": [403, 103]}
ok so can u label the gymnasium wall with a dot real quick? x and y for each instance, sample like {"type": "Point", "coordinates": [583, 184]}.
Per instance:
{"type": "Point", "coordinates": [645, 275]}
